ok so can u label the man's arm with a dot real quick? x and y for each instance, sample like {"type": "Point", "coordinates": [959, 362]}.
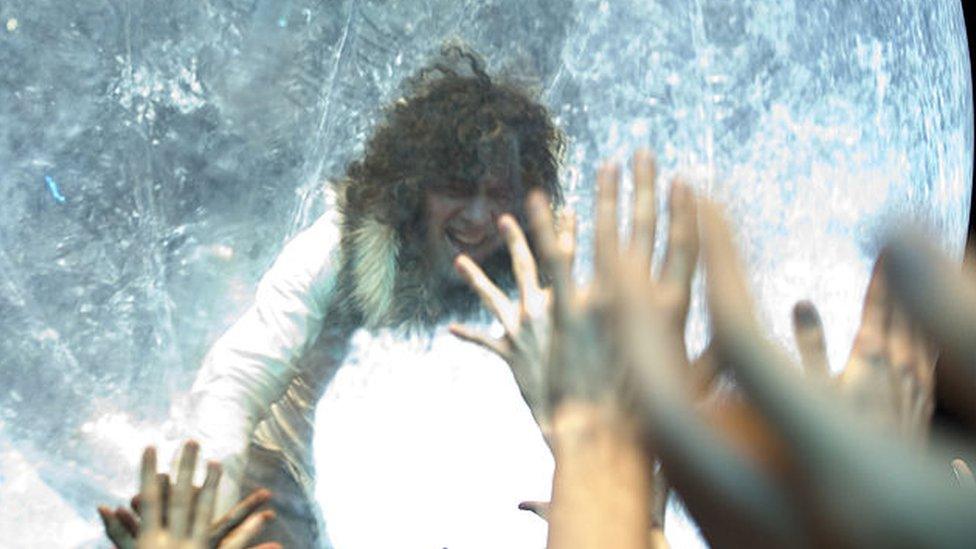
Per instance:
{"type": "Point", "coordinates": [252, 364]}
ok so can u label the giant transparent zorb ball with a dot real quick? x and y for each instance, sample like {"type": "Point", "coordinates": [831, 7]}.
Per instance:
{"type": "Point", "coordinates": [155, 156]}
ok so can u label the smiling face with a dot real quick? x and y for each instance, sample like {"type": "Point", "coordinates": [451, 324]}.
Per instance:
{"type": "Point", "coordinates": [464, 219]}
{"type": "Point", "coordinates": [452, 154]}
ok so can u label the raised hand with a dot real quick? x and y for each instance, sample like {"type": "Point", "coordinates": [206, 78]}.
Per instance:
{"type": "Point", "coordinates": [242, 522]}
{"type": "Point", "coordinates": [231, 531]}
{"type": "Point", "coordinates": [855, 485]}
{"type": "Point", "coordinates": [602, 482]}
{"type": "Point", "coordinates": [525, 345]}
{"type": "Point", "coordinates": [942, 299]}
{"type": "Point", "coordinates": [598, 438]}
{"type": "Point", "coordinates": [889, 376]}
{"type": "Point", "coordinates": [187, 528]}
{"type": "Point", "coordinates": [644, 323]}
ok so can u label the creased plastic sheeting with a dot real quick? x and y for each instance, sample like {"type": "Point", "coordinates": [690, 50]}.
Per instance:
{"type": "Point", "coordinates": [155, 155]}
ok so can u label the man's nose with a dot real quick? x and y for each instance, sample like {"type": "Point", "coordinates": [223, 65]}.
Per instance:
{"type": "Point", "coordinates": [478, 211]}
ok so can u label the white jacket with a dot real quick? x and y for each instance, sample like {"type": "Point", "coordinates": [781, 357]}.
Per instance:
{"type": "Point", "coordinates": [250, 388]}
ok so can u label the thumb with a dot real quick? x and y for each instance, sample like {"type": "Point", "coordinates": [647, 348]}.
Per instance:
{"type": "Point", "coordinates": [964, 475]}
{"type": "Point", "coordinates": [540, 508]}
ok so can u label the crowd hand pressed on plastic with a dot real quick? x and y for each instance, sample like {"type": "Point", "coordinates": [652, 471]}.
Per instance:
{"type": "Point", "coordinates": [817, 449]}
{"type": "Point", "coordinates": [594, 317]}
{"type": "Point", "coordinates": [242, 521]}
{"type": "Point", "coordinates": [233, 530]}
{"type": "Point", "coordinates": [942, 299]}
{"type": "Point", "coordinates": [602, 480]}
{"type": "Point", "coordinates": [890, 374]}
{"type": "Point", "coordinates": [643, 321]}
{"type": "Point", "coordinates": [592, 414]}
{"type": "Point", "coordinates": [847, 482]}
{"type": "Point", "coordinates": [602, 485]}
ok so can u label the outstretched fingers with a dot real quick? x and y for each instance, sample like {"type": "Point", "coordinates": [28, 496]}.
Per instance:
{"type": "Point", "coordinates": [943, 301]}
{"type": "Point", "coordinates": [606, 238]}
{"type": "Point", "coordinates": [481, 339]}
{"type": "Point", "coordinates": [116, 531]}
{"type": "Point", "coordinates": [180, 500]}
{"type": "Point", "coordinates": [905, 376]}
{"type": "Point", "coordinates": [150, 492]}
{"type": "Point", "coordinates": [523, 264]}
{"type": "Point", "coordinates": [491, 295]}
{"type": "Point", "coordinates": [251, 527]}
{"type": "Point", "coordinates": [128, 520]}
{"type": "Point", "coordinates": [836, 450]}
{"type": "Point", "coordinates": [566, 236]}
{"type": "Point", "coordinates": [203, 513]}
{"type": "Point", "coordinates": [164, 488]}
{"type": "Point", "coordinates": [555, 250]}
{"type": "Point", "coordinates": [641, 245]}
{"type": "Point", "coordinates": [233, 518]}
{"type": "Point", "coordinates": [683, 243]}
{"type": "Point", "coordinates": [728, 294]}
{"type": "Point", "coordinates": [764, 373]}
{"type": "Point", "coordinates": [872, 335]}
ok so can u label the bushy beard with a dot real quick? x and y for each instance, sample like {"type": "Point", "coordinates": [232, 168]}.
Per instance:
{"type": "Point", "coordinates": [461, 301]}
{"type": "Point", "coordinates": [427, 295]}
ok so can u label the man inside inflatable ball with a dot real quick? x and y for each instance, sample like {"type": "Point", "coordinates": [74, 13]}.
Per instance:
{"type": "Point", "coordinates": [453, 155]}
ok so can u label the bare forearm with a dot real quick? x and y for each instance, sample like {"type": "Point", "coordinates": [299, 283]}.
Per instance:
{"type": "Point", "coordinates": [602, 487]}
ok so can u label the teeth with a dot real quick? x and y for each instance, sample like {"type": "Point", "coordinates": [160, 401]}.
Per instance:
{"type": "Point", "coordinates": [454, 243]}
{"type": "Point", "coordinates": [464, 241]}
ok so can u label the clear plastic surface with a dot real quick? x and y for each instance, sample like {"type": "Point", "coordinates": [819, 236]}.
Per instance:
{"type": "Point", "coordinates": [155, 155]}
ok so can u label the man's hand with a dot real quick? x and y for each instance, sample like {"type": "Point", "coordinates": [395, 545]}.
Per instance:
{"type": "Point", "coordinates": [233, 530]}
{"type": "Point", "coordinates": [525, 345]}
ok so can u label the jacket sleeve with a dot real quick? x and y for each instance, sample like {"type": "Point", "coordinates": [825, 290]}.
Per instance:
{"type": "Point", "coordinates": [252, 364]}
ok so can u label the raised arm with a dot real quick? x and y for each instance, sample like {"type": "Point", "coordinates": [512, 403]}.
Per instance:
{"type": "Point", "coordinates": [252, 364]}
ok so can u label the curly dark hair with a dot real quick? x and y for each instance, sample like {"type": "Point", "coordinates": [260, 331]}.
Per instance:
{"type": "Point", "coordinates": [436, 134]}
